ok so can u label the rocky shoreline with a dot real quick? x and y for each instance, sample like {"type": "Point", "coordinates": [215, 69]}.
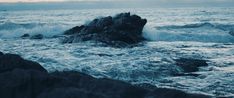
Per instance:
{"type": "Point", "coordinates": [20, 78]}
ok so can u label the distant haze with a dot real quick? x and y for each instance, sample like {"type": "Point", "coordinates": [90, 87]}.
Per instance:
{"type": "Point", "coordinates": [84, 4]}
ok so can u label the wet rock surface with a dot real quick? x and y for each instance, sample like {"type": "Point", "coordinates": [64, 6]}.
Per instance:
{"type": "Point", "coordinates": [190, 65]}
{"type": "Point", "coordinates": [26, 79]}
{"type": "Point", "coordinates": [122, 29]}
{"type": "Point", "coordinates": [25, 36]}
{"type": "Point", "coordinates": [37, 36]}
{"type": "Point", "coordinates": [1, 53]}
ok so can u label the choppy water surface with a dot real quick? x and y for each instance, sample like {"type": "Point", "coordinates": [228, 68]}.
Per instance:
{"type": "Point", "coordinates": [200, 33]}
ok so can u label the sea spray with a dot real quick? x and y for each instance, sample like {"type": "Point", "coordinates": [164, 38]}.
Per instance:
{"type": "Point", "coordinates": [202, 32]}
{"type": "Point", "coordinates": [16, 30]}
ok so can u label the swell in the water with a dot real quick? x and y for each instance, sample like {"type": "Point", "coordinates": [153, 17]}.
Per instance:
{"type": "Point", "coordinates": [11, 25]}
{"type": "Point", "coordinates": [198, 25]}
{"type": "Point", "coordinates": [225, 27]}
{"type": "Point", "coordinates": [201, 32]}
{"type": "Point", "coordinates": [15, 30]}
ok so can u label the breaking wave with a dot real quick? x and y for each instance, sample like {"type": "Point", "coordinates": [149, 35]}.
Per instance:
{"type": "Point", "coordinates": [15, 30]}
{"type": "Point", "coordinates": [198, 25]}
{"type": "Point", "coordinates": [225, 27]}
{"type": "Point", "coordinates": [201, 32]}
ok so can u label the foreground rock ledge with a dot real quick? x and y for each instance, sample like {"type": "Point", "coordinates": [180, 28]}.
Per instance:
{"type": "Point", "coordinates": [122, 29]}
{"type": "Point", "coordinates": [21, 78]}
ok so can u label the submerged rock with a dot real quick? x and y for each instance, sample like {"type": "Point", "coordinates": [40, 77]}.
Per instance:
{"type": "Point", "coordinates": [122, 29]}
{"type": "Point", "coordinates": [37, 36]}
{"type": "Point", "coordinates": [190, 65]}
{"type": "Point", "coordinates": [25, 36]}
{"type": "Point", "coordinates": [231, 33]}
{"type": "Point", "coordinates": [32, 81]}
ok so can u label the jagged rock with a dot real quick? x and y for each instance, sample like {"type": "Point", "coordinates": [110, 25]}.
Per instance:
{"type": "Point", "coordinates": [122, 29]}
{"type": "Point", "coordinates": [25, 36]}
{"type": "Point", "coordinates": [37, 36]}
{"type": "Point", "coordinates": [18, 81]}
{"type": "Point", "coordinates": [74, 30]}
{"type": "Point", "coordinates": [190, 65]}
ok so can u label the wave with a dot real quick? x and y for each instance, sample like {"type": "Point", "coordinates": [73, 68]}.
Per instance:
{"type": "Point", "coordinates": [225, 27]}
{"type": "Point", "coordinates": [198, 25]}
{"type": "Point", "coordinates": [201, 32]}
{"type": "Point", "coordinates": [11, 25]}
{"type": "Point", "coordinates": [15, 30]}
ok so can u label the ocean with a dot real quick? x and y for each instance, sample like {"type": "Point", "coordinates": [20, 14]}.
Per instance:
{"type": "Point", "coordinates": [171, 33]}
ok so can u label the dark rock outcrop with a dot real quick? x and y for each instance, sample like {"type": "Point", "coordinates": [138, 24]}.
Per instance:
{"type": "Point", "coordinates": [74, 30]}
{"type": "Point", "coordinates": [21, 83]}
{"type": "Point", "coordinates": [168, 92]}
{"type": "Point", "coordinates": [172, 93]}
{"type": "Point", "coordinates": [1, 54]}
{"type": "Point", "coordinates": [190, 65]}
{"type": "Point", "coordinates": [122, 29]}
{"type": "Point", "coordinates": [9, 62]}
{"type": "Point", "coordinates": [97, 88]}
{"type": "Point", "coordinates": [18, 81]}
{"type": "Point", "coordinates": [37, 36]}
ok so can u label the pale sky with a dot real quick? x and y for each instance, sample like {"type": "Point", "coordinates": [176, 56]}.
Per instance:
{"type": "Point", "coordinates": [29, 0]}
{"type": "Point", "coordinates": [119, 0]}
{"type": "Point", "coordinates": [61, 4]}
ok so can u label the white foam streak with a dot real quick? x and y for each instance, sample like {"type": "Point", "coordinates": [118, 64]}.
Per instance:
{"type": "Point", "coordinates": [46, 30]}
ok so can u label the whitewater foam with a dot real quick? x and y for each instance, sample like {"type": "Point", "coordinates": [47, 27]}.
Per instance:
{"type": "Point", "coordinates": [16, 30]}
{"type": "Point", "coordinates": [201, 32]}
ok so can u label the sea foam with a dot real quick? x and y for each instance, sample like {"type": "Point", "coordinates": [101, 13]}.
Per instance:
{"type": "Point", "coordinates": [15, 30]}
{"type": "Point", "coordinates": [202, 32]}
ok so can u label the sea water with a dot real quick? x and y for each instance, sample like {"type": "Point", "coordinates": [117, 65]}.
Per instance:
{"type": "Point", "coordinates": [172, 33]}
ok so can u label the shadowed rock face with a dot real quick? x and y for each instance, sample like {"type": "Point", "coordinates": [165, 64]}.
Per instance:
{"type": "Point", "coordinates": [1, 53]}
{"type": "Point", "coordinates": [123, 29]}
{"type": "Point", "coordinates": [9, 62]}
{"type": "Point", "coordinates": [18, 81]}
